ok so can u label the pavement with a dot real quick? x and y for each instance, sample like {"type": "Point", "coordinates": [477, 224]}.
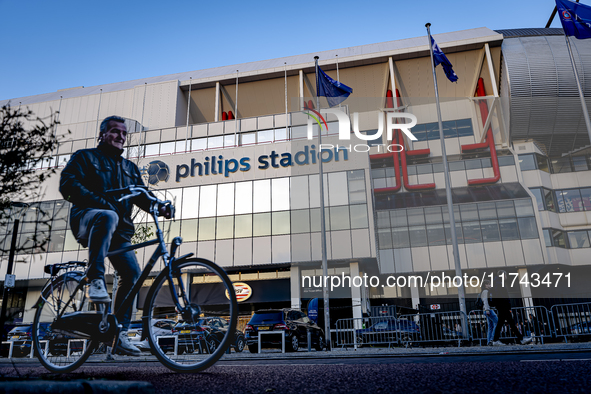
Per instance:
{"type": "Point", "coordinates": [98, 386]}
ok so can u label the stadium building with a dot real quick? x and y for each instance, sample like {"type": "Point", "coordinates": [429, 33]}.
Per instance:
{"type": "Point", "coordinates": [230, 145]}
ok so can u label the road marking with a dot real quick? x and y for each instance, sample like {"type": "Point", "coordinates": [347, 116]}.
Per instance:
{"type": "Point", "coordinates": [272, 364]}
{"type": "Point", "coordinates": [556, 359]}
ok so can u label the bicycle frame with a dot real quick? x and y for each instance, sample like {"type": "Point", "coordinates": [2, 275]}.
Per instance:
{"type": "Point", "coordinates": [161, 251]}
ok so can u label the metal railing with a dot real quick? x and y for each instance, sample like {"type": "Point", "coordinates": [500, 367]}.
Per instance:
{"type": "Point", "coordinates": [381, 330]}
{"type": "Point", "coordinates": [534, 321]}
{"type": "Point", "coordinates": [572, 320]}
{"type": "Point", "coordinates": [437, 327]}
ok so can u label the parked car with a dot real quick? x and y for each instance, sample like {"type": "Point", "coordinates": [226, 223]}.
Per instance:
{"type": "Point", "coordinates": [291, 323]}
{"type": "Point", "coordinates": [161, 327]}
{"type": "Point", "coordinates": [205, 336]}
{"type": "Point", "coordinates": [388, 331]}
{"type": "Point", "coordinates": [22, 336]}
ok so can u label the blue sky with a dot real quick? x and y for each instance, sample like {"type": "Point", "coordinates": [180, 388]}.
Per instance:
{"type": "Point", "coordinates": [51, 45]}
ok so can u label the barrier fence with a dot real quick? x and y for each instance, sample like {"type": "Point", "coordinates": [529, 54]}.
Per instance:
{"type": "Point", "coordinates": [534, 321]}
{"type": "Point", "coordinates": [438, 327]}
{"type": "Point", "coordinates": [572, 320]}
{"type": "Point", "coordinates": [563, 320]}
{"type": "Point", "coordinates": [568, 321]}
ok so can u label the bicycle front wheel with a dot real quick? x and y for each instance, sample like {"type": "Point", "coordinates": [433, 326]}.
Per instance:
{"type": "Point", "coordinates": [207, 315]}
{"type": "Point", "coordinates": [58, 350]}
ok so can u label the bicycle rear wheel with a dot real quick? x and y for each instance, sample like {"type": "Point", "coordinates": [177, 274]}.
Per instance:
{"type": "Point", "coordinates": [207, 323]}
{"type": "Point", "coordinates": [60, 351]}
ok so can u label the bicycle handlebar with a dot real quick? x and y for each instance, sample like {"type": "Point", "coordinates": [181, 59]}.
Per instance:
{"type": "Point", "coordinates": [134, 191]}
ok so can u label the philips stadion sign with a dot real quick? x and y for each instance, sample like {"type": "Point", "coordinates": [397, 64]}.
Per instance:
{"type": "Point", "coordinates": [157, 171]}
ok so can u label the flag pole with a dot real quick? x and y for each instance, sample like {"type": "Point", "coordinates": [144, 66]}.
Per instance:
{"type": "Point", "coordinates": [581, 96]}
{"type": "Point", "coordinates": [450, 208]}
{"type": "Point", "coordinates": [325, 295]}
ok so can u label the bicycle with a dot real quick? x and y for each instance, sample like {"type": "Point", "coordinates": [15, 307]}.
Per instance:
{"type": "Point", "coordinates": [188, 287]}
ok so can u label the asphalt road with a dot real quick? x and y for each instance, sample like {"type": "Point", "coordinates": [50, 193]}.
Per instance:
{"type": "Point", "coordinates": [558, 372]}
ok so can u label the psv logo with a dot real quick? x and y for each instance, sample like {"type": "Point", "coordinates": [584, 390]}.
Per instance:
{"type": "Point", "coordinates": [243, 291]}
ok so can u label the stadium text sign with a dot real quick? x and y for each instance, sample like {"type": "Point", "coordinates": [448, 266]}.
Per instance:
{"type": "Point", "coordinates": [218, 165]}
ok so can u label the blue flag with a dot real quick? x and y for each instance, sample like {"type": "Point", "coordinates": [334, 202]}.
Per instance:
{"type": "Point", "coordinates": [334, 91]}
{"type": "Point", "coordinates": [440, 58]}
{"type": "Point", "coordinates": [575, 18]}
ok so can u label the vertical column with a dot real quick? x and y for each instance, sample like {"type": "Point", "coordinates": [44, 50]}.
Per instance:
{"type": "Point", "coordinates": [414, 294]}
{"type": "Point", "coordinates": [301, 90]}
{"type": "Point", "coordinates": [296, 288]}
{"type": "Point", "coordinates": [356, 292]}
{"type": "Point", "coordinates": [525, 290]}
{"type": "Point", "coordinates": [217, 102]}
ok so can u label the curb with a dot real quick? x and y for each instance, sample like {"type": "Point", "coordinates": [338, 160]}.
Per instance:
{"type": "Point", "coordinates": [75, 386]}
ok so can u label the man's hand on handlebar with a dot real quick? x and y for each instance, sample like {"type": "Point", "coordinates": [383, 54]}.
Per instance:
{"type": "Point", "coordinates": [165, 210]}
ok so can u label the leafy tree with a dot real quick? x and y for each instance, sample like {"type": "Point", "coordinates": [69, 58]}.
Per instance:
{"type": "Point", "coordinates": [26, 145]}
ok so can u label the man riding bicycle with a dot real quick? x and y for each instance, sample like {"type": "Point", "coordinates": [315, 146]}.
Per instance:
{"type": "Point", "coordinates": [101, 222]}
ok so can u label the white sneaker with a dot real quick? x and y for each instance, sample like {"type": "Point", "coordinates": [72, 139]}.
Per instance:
{"type": "Point", "coordinates": [498, 343]}
{"type": "Point", "coordinates": [526, 340]}
{"type": "Point", "coordinates": [125, 346]}
{"type": "Point", "coordinates": [96, 291]}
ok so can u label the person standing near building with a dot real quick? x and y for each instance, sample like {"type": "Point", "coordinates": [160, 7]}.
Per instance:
{"type": "Point", "coordinates": [491, 316]}
{"type": "Point", "coordinates": [501, 301]}
{"type": "Point", "coordinates": [101, 222]}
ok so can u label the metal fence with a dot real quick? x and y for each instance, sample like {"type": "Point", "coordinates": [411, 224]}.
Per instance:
{"type": "Point", "coordinates": [534, 321]}
{"type": "Point", "coordinates": [381, 330]}
{"type": "Point", "coordinates": [572, 320]}
{"type": "Point", "coordinates": [437, 328]}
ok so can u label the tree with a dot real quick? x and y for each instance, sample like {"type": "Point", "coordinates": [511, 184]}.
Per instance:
{"type": "Point", "coordinates": [26, 146]}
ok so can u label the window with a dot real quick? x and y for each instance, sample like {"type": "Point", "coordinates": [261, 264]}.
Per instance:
{"type": "Point", "coordinates": [199, 144]}
{"type": "Point", "coordinates": [490, 231]}
{"type": "Point", "coordinates": [509, 230]}
{"type": "Point", "coordinates": [280, 223]}
{"type": "Point", "coordinates": [436, 234]}
{"type": "Point", "coordinates": [578, 239]}
{"type": "Point", "coordinates": [558, 238]}
{"type": "Point", "coordinates": [215, 142]}
{"type": "Point", "coordinates": [300, 221]}
{"type": "Point", "coordinates": [225, 227]}
{"type": "Point", "coordinates": [528, 228]}
{"type": "Point", "coordinates": [561, 165]}
{"type": "Point", "coordinates": [374, 141]}
{"type": "Point", "coordinates": [418, 236]}
{"type": "Point", "coordinates": [527, 162]}
{"type": "Point", "coordinates": [537, 192]}
{"type": "Point", "coordinates": [472, 232]}
{"type": "Point", "coordinates": [248, 138]}
{"type": "Point", "coordinates": [167, 148]}
{"type": "Point", "coordinates": [243, 226]}
{"type": "Point", "coordinates": [400, 237]}
{"type": "Point", "coordinates": [265, 136]}
{"type": "Point", "coordinates": [339, 218]}
{"type": "Point", "coordinates": [359, 217]}
{"type": "Point", "coordinates": [356, 181]}
{"type": "Point", "coordinates": [569, 200]}
{"type": "Point", "coordinates": [206, 229]}
{"type": "Point", "coordinates": [385, 238]}
{"type": "Point", "coordinates": [261, 224]}
{"type": "Point", "coordinates": [547, 236]}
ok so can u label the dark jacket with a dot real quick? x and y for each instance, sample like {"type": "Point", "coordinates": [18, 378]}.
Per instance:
{"type": "Point", "coordinates": [91, 172]}
{"type": "Point", "coordinates": [500, 297]}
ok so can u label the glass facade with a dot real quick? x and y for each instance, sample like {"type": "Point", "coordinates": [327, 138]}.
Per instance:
{"type": "Point", "coordinates": [261, 208]}
{"type": "Point", "coordinates": [480, 222]}
{"type": "Point", "coordinates": [535, 161]}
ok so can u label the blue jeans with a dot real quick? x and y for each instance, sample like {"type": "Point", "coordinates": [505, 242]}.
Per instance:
{"type": "Point", "coordinates": [99, 227]}
{"type": "Point", "coordinates": [491, 320]}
